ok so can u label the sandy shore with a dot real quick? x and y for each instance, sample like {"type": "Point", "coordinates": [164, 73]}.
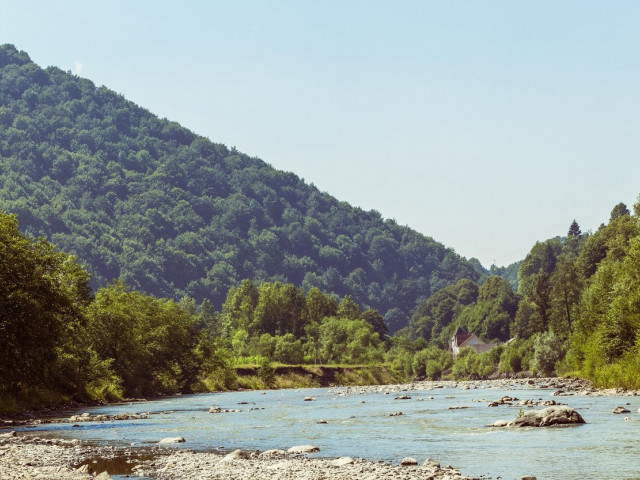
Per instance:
{"type": "Point", "coordinates": [23, 456]}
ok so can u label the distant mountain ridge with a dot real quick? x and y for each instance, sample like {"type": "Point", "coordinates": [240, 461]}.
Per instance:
{"type": "Point", "coordinates": [171, 213]}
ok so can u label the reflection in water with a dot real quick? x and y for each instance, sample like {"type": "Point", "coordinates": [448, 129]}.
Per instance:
{"type": "Point", "coordinates": [361, 426]}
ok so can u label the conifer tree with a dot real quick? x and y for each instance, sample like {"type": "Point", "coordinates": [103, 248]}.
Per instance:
{"type": "Point", "coordinates": [574, 230]}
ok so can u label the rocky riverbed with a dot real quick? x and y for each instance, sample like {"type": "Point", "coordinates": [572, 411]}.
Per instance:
{"type": "Point", "coordinates": [25, 456]}
{"type": "Point", "coordinates": [560, 386]}
{"type": "Point", "coordinates": [284, 466]}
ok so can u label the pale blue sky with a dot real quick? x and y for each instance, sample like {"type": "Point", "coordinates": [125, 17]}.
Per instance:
{"type": "Point", "coordinates": [487, 125]}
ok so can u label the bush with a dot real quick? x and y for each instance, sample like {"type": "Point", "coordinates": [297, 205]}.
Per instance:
{"type": "Point", "coordinates": [548, 349]}
{"type": "Point", "coordinates": [266, 372]}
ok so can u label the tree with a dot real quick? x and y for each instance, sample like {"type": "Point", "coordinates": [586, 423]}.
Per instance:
{"type": "Point", "coordinates": [238, 308]}
{"type": "Point", "coordinates": [618, 211]}
{"type": "Point", "coordinates": [377, 322]}
{"type": "Point", "coordinates": [42, 293]}
{"type": "Point", "coordinates": [151, 342]}
{"type": "Point", "coordinates": [349, 341]}
{"type": "Point", "coordinates": [574, 229]}
{"type": "Point", "coordinates": [541, 297]}
{"type": "Point", "coordinates": [566, 286]}
{"type": "Point", "coordinates": [548, 350]}
{"type": "Point", "coordinates": [347, 308]}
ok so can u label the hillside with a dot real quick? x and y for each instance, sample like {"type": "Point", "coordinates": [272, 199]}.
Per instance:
{"type": "Point", "coordinates": [171, 213]}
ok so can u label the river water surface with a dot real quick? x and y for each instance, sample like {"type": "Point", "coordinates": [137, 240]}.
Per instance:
{"type": "Point", "coordinates": [360, 425]}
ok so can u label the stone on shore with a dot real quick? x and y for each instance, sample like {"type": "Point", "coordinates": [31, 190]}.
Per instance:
{"type": "Point", "coordinates": [103, 476]}
{"type": "Point", "coordinates": [236, 455]}
{"type": "Point", "coordinates": [408, 461]}
{"type": "Point", "coordinates": [172, 440]}
{"type": "Point", "coordinates": [303, 449]}
{"type": "Point", "coordinates": [556, 415]}
{"type": "Point", "coordinates": [342, 461]}
{"type": "Point", "coordinates": [272, 453]}
{"type": "Point", "coordinates": [432, 464]}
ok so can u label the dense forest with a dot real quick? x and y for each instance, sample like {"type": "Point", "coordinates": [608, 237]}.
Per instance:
{"type": "Point", "coordinates": [60, 342]}
{"type": "Point", "coordinates": [576, 312]}
{"type": "Point", "coordinates": [165, 262]}
{"type": "Point", "coordinates": [170, 213]}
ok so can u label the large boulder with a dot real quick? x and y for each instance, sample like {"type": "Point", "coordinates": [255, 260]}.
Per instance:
{"type": "Point", "coordinates": [556, 415]}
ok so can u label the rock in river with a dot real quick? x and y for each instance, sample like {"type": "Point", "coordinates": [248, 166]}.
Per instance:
{"type": "Point", "coordinates": [172, 440]}
{"type": "Point", "coordinates": [619, 410]}
{"type": "Point", "coordinates": [556, 415]}
{"type": "Point", "coordinates": [303, 449]}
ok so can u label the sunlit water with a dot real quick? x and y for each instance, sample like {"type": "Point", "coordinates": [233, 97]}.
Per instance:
{"type": "Point", "coordinates": [607, 447]}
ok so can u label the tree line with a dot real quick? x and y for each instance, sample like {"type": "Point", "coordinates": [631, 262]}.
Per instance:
{"type": "Point", "coordinates": [61, 341]}
{"type": "Point", "coordinates": [575, 312]}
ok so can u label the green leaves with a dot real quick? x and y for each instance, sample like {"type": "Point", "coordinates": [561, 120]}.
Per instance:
{"type": "Point", "coordinates": [144, 200]}
{"type": "Point", "coordinates": [151, 342]}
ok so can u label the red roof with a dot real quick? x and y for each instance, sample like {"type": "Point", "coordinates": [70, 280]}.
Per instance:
{"type": "Point", "coordinates": [461, 336]}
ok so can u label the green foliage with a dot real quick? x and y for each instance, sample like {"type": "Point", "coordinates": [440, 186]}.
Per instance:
{"type": "Point", "coordinates": [42, 296]}
{"type": "Point", "coordinates": [349, 341]}
{"type": "Point", "coordinates": [146, 201]}
{"type": "Point", "coordinates": [470, 365]}
{"type": "Point", "coordinates": [431, 363]}
{"type": "Point", "coordinates": [508, 273]}
{"type": "Point", "coordinates": [151, 342]}
{"type": "Point", "coordinates": [266, 371]}
{"type": "Point", "coordinates": [432, 317]}
{"type": "Point", "coordinates": [618, 211]}
{"type": "Point", "coordinates": [516, 356]}
{"type": "Point", "coordinates": [548, 349]}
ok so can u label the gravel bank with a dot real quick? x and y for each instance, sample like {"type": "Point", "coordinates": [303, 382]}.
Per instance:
{"type": "Point", "coordinates": [33, 458]}
{"type": "Point", "coordinates": [41, 459]}
{"type": "Point", "coordinates": [282, 466]}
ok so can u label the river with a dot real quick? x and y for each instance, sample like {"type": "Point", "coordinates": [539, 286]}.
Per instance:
{"type": "Point", "coordinates": [360, 425]}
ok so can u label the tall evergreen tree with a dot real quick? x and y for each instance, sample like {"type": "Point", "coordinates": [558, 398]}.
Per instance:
{"type": "Point", "coordinates": [574, 229]}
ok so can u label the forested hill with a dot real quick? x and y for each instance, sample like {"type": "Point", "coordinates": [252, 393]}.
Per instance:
{"type": "Point", "coordinates": [171, 213]}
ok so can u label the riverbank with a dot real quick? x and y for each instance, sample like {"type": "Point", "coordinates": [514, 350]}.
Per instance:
{"type": "Point", "coordinates": [23, 455]}
{"type": "Point", "coordinates": [283, 466]}
{"type": "Point", "coordinates": [249, 377]}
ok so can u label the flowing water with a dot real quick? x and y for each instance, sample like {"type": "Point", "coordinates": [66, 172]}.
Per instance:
{"type": "Point", "coordinates": [607, 447]}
